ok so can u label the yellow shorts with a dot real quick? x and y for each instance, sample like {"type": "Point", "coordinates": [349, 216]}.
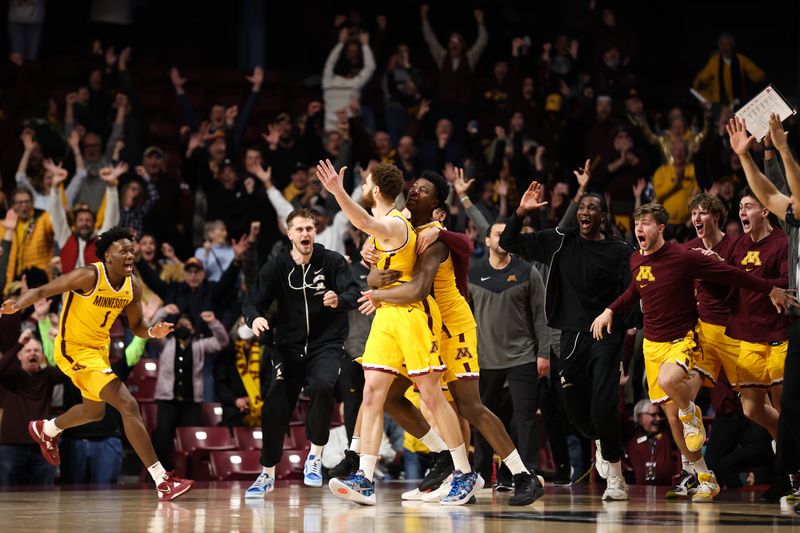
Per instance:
{"type": "Point", "coordinates": [680, 352]}
{"type": "Point", "coordinates": [718, 352]}
{"type": "Point", "coordinates": [761, 364]}
{"type": "Point", "coordinates": [404, 340]}
{"type": "Point", "coordinates": [460, 355]}
{"type": "Point", "coordinates": [88, 368]}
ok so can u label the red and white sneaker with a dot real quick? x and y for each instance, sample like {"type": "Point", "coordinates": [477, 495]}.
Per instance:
{"type": "Point", "coordinates": [172, 487]}
{"type": "Point", "coordinates": [47, 444]}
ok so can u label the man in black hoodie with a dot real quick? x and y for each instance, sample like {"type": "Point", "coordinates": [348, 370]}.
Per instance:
{"type": "Point", "coordinates": [314, 289]}
{"type": "Point", "coordinates": [587, 272]}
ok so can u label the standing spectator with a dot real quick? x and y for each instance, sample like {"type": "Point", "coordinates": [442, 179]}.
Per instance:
{"type": "Point", "coordinates": [27, 388]}
{"type": "Point", "coordinates": [515, 350]}
{"type": "Point", "coordinates": [32, 244]}
{"type": "Point", "coordinates": [345, 75]}
{"type": "Point", "coordinates": [403, 88]}
{"type": "Point", "coordinates": [238, 372]}
{"type": "Point", "coordinates": [137, 201]}
{"type": "Point", "coordinates": [674, 185]}
{"type": "Point", "coordinates": [179, 386]}
{"type": "Point", "coordinates": [165, 219]}
{"type": "Point", "coordinates": [25, 22]}
{"type": "Point", "coordinates": [724, 78]}
{"type": "Point", "coordinates": [314, 290]}
{"type": "Point", "coordinates": [216, 253]}
{"type": "Point", "coordinates": [31, 172]}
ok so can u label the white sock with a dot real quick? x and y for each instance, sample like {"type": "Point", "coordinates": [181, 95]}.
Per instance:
{"type": "Point", "coordinates": [268, 470]}
{"type": "Point", "coordinates": [460, 459]}
{"type": "Point", "coordinates": [689, 410]}
{"type": "Point", "coordinates": [433, 441]}
{"type": "Point", "coordinates": [686, 464]}
{"type": "Point", "coordinates": [50, 428]}
{"type": "Point", "coordinates": [157, 472]}
{"type": "Point", "coordinates": [367, 464]}
{"type": "Point", "coordinates": [614, 469]}
{"type": "Point", "coordinates": [355, 444]}
{"type": "Point", "coordinates": [775, 447]}
{"type": "Point", "coordinates": [700, 466]}
{"type": "Point", "coordinates": [316, 451]}
{"type": "Point", "coordinates": [515, 464]}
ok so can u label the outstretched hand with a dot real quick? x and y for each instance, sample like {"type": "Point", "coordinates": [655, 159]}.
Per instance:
{"type": "Point", "coordinates": [739, 138]}
{"type": "Point", "coordinates": [532, 199]}
{"type": "Point", "coordinates": [332, 181]}
{"type": "Point", "coordinates": [584, 175]}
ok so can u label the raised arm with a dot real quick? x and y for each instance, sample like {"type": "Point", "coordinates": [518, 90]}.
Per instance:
{"type": "Point", "coordinates": [570, 218]}
{"type": "Point", "coordinates": [333, 57]}
{"type": "Point", "coordinates": [22, 169]}
{"type": "Point", "coordinates": [474, 53]}
{"type": "Point", "coordinates": [58, 215]}
{"type": "Point", "coordinates": [789, 162]}
{"type": "Point", "coordinates": [369, 62]}
{"type": "Point", "coordinates": [219, 337]}
{"type": "Point", "coordinates": [437, 51]}
{"type": "Point", "coordinates": [136, 321]}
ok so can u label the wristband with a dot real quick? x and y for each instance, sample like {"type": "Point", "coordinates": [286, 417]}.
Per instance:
{"type": "Point", "coordinates": [464, 198]}
{"type": "Point", "coordinates": [150, 332]}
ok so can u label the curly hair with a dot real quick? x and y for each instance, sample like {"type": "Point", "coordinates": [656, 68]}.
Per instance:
{"type": "Point", "coordinates": [389, 180]}
{"type": "Point", "coordinates": [441, 185]}
{"type": "Point", "coordinates": [105, 240]}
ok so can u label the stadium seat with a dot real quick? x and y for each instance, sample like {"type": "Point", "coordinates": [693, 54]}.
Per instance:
{"type": "Point", "coordinates": [235, 465]}
{"type": "Point", "coordinates": [143, 391]}
{"type": "Point", "coordinates": [298, 435]}
{"type": "Point", "coordinates": [211, 414]}
{"type": "Point", "coordinates": [290, 465]}
{"type": "Point", "coordinates": [146, 369]}
{"type": "Point", "coordinates": [247, 438]}
{"type": "Point", "coordinates": [193, 444]}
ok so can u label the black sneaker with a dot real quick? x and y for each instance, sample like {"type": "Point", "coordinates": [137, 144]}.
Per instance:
{"type": "Point", "coordinates": [563, 476]}
{"type": "Point", "coordinates": [779, 488]}
{"type": "Point", "coordinates": [527, 489]}
{"type": "Point", "coordinates": [794, 493]}
{"type": "Point", "coordinates": [797, 509]}
{"type": "Point", "coordinates": [503, 485]}
{"type": "Point", "coordinates": [686, 485]}
{"type": "Point", "coordinates": [441, 468]}
{"type": "Point", "coordinates": [346, 467]}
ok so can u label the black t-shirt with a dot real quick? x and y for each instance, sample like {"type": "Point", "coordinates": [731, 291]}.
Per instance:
{"type": "Point", "coordinates": [183, 388]}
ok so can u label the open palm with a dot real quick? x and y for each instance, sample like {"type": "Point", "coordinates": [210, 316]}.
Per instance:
{"type": "Point", "coordinates": [739, 139]}
{"type": "Point", "coordinates": [532, 199]}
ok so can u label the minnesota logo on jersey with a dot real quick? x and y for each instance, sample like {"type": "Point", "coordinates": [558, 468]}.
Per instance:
{"type": "Point", "coordinates": [645, 274]}
{"type": "Point", "coordinates": [752, 260]}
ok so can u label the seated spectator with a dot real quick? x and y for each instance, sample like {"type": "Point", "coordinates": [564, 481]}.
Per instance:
{"type": "Point", "coordinates": [26, 389]}
{"type": "Point", "coordinates": [33, 239]}
{"type": "Point", "coordinates": [650, 450]}
{"type": "Point", "coordinates": [237, 379]}
{"type": "Point", "coordinates": [216, 253]}
{"type": "Point", "coordinates": [179, 386]}
{"type": "Point", "coordinates": [723, 80]}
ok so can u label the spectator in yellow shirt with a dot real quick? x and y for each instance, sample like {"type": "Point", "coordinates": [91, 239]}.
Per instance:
{"type": "Point", "coordinates": [33, 242]}
{"type": "Point", "coordinates": [724, 78]}
{"type": "Point", "coordinates": [674, 184]}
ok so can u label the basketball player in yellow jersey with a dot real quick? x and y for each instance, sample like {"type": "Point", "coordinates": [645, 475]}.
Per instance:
{"type": "Point", "coordinates": [399, 334]}
{"type": "Point", "coordinates": [435, 274]}
{"type": "Point", "coordinates": [95, 295]}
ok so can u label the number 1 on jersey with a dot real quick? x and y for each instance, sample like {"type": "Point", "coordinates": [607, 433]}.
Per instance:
{"type": "Point", "coordinates": [105, 319]}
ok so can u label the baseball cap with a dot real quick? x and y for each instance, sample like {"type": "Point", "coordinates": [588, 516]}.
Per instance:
{"type": "Point", "coordinates": [193, 263]}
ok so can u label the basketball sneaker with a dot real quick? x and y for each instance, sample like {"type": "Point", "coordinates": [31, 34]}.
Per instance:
{"type": "Point", "coordinates": [441, 468]}
{"type": "Point", "coordinates": [413, 495]}
{"type": "Point", "coordinates": [780, 487]}
{"type": "Point", "coordinates": [462, 488]}
{"type": "Point", "coordinates": [684, 487]}
{"type": "Point", "coordinates": [527, 489]}
{"type": "Point", "coordinates": [694, 433]}
{"type": "Point", "coordinates": [503, 485]}
{"type": "Point", "coordinates": [171, 487]}
{"type": "Point", "coordinates": [616, 489]}
{"type": "Point", "coordinates": [600, 464]}
{"type": "Point", "coordinates": [355, 488]}
{"type": "Point", "coordinates": [708, 488]}
{"type": "Point", "coordinates": [794, 494]}
{"type": "Point", "coordinates": [346, 467]}
{"type": "Point", "coordinates": [564, 476]}
{"type": "Point", "coordinates": [439, 492]}
{"type": "Point", "coordinates": [47, 444]}
{"type": "Point", "coordinates": [260, 487]}
{"type": "Point", "coordinates": [312, 472]}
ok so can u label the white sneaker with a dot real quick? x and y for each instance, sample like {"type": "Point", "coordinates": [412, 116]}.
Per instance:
{"type": "Point", "coordinates": [435, 495]}
{"type": "Point", "coordinates": [616, 489]}
{"type": "Point", "coordinates": [413, 495]}
{"type": "Point", "coordinates": [600, 464]}
{"type": "Point", "coordinates": [260, 487]}
{"type": "Point", "coordinates": [312, 472]}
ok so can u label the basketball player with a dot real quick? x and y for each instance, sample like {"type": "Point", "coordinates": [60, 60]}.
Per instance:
{"type": "Point", "coordinates": [663, 275]}
{"type": "Point", "coordinates": [434, 274]}
{"type": "Point", "coordinates": [95, 295]}
{"type": "Point", "coordinates": [400, 334]}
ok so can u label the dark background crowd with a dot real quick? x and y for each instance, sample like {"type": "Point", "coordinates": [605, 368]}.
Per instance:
{"type": "Point", "coordinates": [199, 129]}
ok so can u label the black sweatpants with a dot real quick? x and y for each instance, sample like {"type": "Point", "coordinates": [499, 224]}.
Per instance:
{"type": "Point", "coordinates": [350, 391]}
{"type": "Point", "coordinates": [589, 373]}
{"type": "Point", "coordinates": [788, 442]}
{"type": "Point", "coordinates": [735, 445]}
{"type": "Point", "coordinates": [552, 407]}
{"type": "Point", "coordinates": [523, 384]}
{"type": "Point", "coordinates": [317, 372]}
{"type": "Point", "coordinates": [172, 414]}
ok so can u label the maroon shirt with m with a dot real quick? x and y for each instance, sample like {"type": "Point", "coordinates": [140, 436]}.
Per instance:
{"type": "Point", "coordinates": [753, 317]}
{"type": "Point", "coordinates": [664, 281]}
{"type": "Point", "coordinates": [714, 300]}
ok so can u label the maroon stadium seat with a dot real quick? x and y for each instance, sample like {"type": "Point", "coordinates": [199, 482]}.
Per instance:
{"type": "Point", "coordinates": [211, 414]}
{"type": "Point", "coordinates": [193, 444]}
{"type": "Point", "coordinates": [235, 465]}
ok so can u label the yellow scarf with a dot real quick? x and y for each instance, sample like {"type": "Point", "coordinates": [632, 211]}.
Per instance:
{"type": "Point", "coordinates": [249, 372]}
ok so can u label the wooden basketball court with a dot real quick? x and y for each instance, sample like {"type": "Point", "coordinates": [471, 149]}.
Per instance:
{"type": "Point", "coordinates": [220, 506]}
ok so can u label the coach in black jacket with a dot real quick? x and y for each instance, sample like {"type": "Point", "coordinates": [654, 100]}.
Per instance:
{"type": "Point", "coordinates": [314, 288]}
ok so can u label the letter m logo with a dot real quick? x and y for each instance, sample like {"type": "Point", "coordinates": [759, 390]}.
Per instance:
{"type": "Point", "coordinates": [753, 258]}
{"type": "Point", "coordinates": [645, 274]}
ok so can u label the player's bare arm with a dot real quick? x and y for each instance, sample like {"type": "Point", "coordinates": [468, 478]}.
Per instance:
{"type": "Point", "coordinates": [82, 280]}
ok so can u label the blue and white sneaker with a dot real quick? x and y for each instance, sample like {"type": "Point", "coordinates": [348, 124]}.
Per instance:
{"type": "Point", "coordinates": [261, 486]}
{"type": "Point", "coordinates": [355, 488]}
{"type": "Point", "coordinates": [312, 472]}
{"type": "Point", "coordinates": [462, 488]}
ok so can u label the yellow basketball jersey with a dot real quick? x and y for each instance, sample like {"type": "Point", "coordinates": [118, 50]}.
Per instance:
{"type": "Point", "coordinates": [403, 258]}
{"type": "Point", "coordinates": [86, 319]}
{"type": "Point", "coordinates": [457, 317]}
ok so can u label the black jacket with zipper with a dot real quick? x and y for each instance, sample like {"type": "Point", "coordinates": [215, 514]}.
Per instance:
{"type": "Point", "coordinates": [304, 324]}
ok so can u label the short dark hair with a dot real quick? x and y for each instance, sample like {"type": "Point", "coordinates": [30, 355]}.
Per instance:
{"type": "Point", "coordinates": [657, 210]}
{"type": "Point", "coordinates": [105, 240]}
{"type": "Point", "coordinates": [82, 208]}
{"type": "Point", "coordinates": [600, 198]}
{"type": "Point", "coordinates": [388, 178]}
{"type": "Point", "coordinates": [22, 190]}
{"type": "Point", "coordinates": [747, 191]}
{"type": "Point", "coordinates": [300, 212]}
{"type": "Point", "coordinates": [442, 187]}
{"type": "Point", "coordinates": [711, 203]}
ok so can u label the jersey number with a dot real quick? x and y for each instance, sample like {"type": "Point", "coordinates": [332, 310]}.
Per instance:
{"type": "Point", "coordinates": [105, 319]}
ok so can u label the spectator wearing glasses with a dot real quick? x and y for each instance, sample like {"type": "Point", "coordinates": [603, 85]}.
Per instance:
{"type": "Point", "coordinates": [650, 449]}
